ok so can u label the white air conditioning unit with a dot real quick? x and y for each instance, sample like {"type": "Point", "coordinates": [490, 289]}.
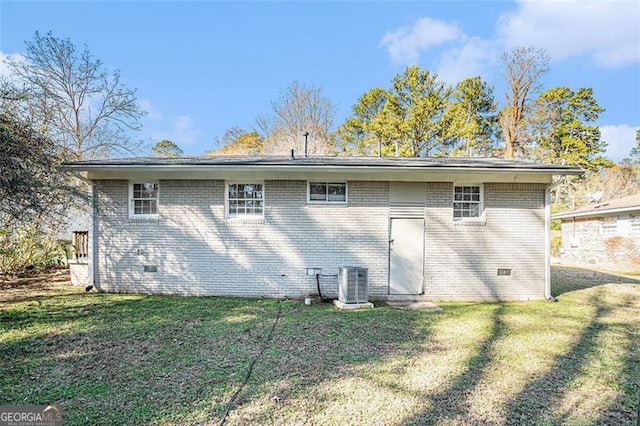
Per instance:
{"type": "Point", "coordinates": [353, 285]}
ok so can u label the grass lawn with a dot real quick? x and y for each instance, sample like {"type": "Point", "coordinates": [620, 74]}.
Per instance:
{"type": "Point", "coordinates": [135, 359]}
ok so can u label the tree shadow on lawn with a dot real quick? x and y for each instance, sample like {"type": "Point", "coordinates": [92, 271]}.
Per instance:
{"type": "Point", "coordinates": [630, 374]}
{"type": "Point", "coordinates": [290, 371]}
{"type": "Point", "coordinates": [357, 346]}
{"type": "Point", "coordinates": [87, 308]}
{"type": "Point", "coordinates": [316, 345]}
{"type": "Point", "coordinates": [629, 398]}
{"type": "Point", "coordinates": [539, 402]}
{"type": "Point", "coordinates": [162, 359]}
{"type": "Point", "coordinates": [566, 278]}
{"type": "Point", "coordinates": [122, 359]}
{"type": "Point", "coordinates": [451, 402]}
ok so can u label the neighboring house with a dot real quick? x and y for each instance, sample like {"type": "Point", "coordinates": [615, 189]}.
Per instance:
{"type": "Point", "coordinates": [446, 228]}
{"type": "Point", "coordinates": [605, 235]}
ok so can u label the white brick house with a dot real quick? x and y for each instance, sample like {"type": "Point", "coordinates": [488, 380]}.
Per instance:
{"type": "Point", "coordinates": [605, 235]}
{"type": "Point", "coordinates": [446, 229]}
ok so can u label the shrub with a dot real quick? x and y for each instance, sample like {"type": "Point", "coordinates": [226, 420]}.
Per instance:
{"type": "Point", "coordinates": [28, 249]}
{"type": "Point", "coordinates": [556, 243]}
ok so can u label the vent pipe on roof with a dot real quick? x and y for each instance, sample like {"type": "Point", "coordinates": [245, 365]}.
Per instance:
{"type": "Point", "coordinates": [293, 157]}
{"type": "Point", "coordinates": [305, 134]}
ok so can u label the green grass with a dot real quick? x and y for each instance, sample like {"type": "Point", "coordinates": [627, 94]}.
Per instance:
{"type": "Point", "coordinates": [134, 359]}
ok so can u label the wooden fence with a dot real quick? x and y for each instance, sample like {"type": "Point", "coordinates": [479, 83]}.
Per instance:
{"type": "Point", "coordinates": [80, 243]}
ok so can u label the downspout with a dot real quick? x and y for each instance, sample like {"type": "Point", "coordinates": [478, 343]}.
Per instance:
{"type": "Point", "coordinates": [90, 241]}
{"type": "Point", "coordinates": [547, 236]}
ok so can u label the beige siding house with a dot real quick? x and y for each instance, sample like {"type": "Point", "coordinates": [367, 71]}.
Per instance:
{"type": "Point", "coordinates": [605, 235]}
{"type": "Point", "coordinates": [441, 229]}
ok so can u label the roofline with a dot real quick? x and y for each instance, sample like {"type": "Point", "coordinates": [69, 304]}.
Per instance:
{"type": "Point", "coordinates": [560, 170]}
{"type": "Point", "coordinates": [594, 213]}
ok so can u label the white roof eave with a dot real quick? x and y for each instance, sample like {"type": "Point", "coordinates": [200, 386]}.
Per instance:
{"type": "Point", "coordinates": [595, 213]}
{"type": "Point", "coordinates": [313, 168]}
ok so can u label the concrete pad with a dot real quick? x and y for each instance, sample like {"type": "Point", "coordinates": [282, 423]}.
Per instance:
{"type": "Point", "coordinates": [415, 306]}
{"type": "Point", "coordinates": [351, 306]}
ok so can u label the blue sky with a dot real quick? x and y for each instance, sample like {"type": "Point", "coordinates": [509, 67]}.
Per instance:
{"type": "Point", "coordinates": [203, 67]}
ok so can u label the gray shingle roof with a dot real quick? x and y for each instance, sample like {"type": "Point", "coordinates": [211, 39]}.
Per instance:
{"type": "Point", "coordinates": [355, 162]}
{"type": "Point", "coordinates": [623, 204]}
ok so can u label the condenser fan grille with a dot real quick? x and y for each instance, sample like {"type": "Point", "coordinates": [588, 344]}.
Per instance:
{"type": "Point", "coordinates": [353, 285]}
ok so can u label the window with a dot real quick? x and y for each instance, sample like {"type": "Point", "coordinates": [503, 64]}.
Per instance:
{"type": "Point", "coordinates": [328, 192]}
{"type": "Point", "coordinates": [635, 223]}
{"type": "Point", "coordinates": [467, 202]}
{"type": "Point", "coordinates": [609, 225]}
{"type": "Point", "coordinates": [144, 199]}
{"type": "Point", "coordinates": [245, 199]}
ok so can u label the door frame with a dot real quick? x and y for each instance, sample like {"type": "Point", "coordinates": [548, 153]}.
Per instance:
{"type": "Point", "coordinates": [424, 238]}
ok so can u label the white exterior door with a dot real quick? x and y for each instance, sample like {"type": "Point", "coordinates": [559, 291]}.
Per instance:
{"type": "Point", "coordinates": [406, 256]}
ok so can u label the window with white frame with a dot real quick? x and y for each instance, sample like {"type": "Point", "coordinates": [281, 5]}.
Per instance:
{"type": "Point", "coordinates": [328, 192]}
{"type": "Point", "coordinates": [467, 202]}
{"type": "Point", "coordinates": [144, 199]}
{"type": "Point", "coordinates": [609, 225]}
{"type": "Point", "coordinates": [245, 199]}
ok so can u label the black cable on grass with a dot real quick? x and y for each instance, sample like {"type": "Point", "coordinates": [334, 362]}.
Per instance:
{"type": "Point", "coordinates": [250, 370]}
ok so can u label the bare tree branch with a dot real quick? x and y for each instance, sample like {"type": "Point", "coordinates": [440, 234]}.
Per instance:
{"type": "Point", "coordinates": [523, 69]}
{"type": "Point", "coordinates": [74, 99]}
{"type": "Point", "coordinates": [299, 109]}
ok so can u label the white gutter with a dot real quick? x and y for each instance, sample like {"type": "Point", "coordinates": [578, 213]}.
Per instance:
{"type": "Point", "coordinates": [547, 235]}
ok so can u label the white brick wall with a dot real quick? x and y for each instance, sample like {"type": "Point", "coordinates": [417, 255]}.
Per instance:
{"type": "Point", "coordinates": [462, 260]}
{"type": "Point", "coordinates": [584, 244]}
{"type": "Point", "coordinates": [198, 251]}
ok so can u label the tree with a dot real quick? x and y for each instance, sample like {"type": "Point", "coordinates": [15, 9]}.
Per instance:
{"type": "Point", "coordinates": [166, 148]}
{"type": "Point", "coordinates": [237, 141]}
{"type": "Point", "coordinates": [470, 119]}
{"type": "Point", "coordinates": [635, 151]}
{"type": "Point", "coordinates": [564, 128]}
{"type": "Point", "coordinates": [32, 187]}
{"type": "Point", "coordinates": [417, 103]}
{"type": "Point", "coordinates": [299, 109]}
{"type": "Point", "coordinates": [386, 125]}
{"type": "Point", "coordinates": [523, 69]}
{"type": "Point", "coordinates": [73, 99]}
{"type": "Point", "coordinates": [404, 121]}
{"type": "Point", "coordinates": [612, 180]}
{"type": "Point", "coordinates": [34, 196]}
{"type": "Point", "coordinates": [358, 134]}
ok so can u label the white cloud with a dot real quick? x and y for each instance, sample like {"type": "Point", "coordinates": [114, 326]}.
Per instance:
{"type": "Point", "coordinates": [183, 130]}
{"type": "Point", "coordinates": [469, 60]}
{"type": "Point", "coordinates": [407, 43]}
{"type": "Point", "coordinates": [620, 138]}
{"type": "Point", "coordinates": [152, 112]}
{"type": "Point", "coordinates": [607, 31]}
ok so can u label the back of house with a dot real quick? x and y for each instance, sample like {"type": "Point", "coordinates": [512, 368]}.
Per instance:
{"type": "Point", "coordinates": [473, 229]}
